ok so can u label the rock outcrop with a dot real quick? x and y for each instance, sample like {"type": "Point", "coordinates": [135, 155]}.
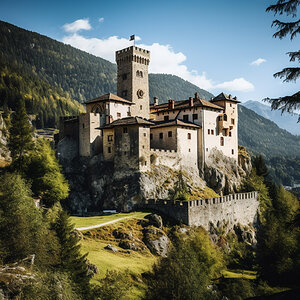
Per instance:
{"type": "Point", "coordinates": [222, 174]}
{"type": "Point", "coordinates": [4, 152]}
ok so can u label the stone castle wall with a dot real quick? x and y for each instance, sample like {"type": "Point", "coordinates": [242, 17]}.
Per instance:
{"type": "Point", "coordinates": [232, 209]}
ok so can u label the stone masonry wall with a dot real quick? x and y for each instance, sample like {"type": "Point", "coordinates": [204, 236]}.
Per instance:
{"type": "Point", "coordinates": [240, 208]}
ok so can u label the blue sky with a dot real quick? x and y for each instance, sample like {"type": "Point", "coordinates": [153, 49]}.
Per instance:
{"type": "Point", "coordinates": [218, 45]}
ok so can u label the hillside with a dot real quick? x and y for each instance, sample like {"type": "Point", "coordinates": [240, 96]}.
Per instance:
{"type": "Point", "coordinates": [285, 121]}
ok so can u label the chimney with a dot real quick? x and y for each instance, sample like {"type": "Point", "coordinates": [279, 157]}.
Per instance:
{"type": "Point", "coordinates": [155, 101]}
{"type": "Point", "coordinates": [230, 96]}
{"type": "Point", "coordinates": [171, 104]}
{"type": "Point", "coordinates": [191, 101]}
{"type": "Point", "coordinates": [196, 96]}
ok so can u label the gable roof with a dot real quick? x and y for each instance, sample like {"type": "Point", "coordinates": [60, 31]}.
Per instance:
{"type": "Point", "coordinates": [184, 104]}
{"type": "Point", "coordinates": [109, 97]}
{"type": "Point", "coordinates": [223, 96]}
{"type": "Point", "coordinates": [129, 121]}
{"type": "Point", "coordinates": [175, 122]}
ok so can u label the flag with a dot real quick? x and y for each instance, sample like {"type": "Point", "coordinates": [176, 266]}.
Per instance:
{"type": "Point", "coordinates": [132, 38]}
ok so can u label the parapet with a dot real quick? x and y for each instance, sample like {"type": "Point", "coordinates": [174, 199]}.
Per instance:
{"type": "Point", "coordinates": [133, 53]}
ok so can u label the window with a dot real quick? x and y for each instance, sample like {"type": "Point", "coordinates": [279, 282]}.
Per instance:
{"type": "Point", "coordinates": [212, 132]}
{"type": "Point", "coordinates": [145, 163]}
{"type": "Point", "coordinates": [141, 107]}
{"type": "Point", "coordinates": [125, 130]}
{"type": "Point", "coordinates": [195, 116]}
{"type": "Point", "coordinates": [82, 125]}
{"type": "Point", "coordinates": [206, 149]}
{"type": "Point", "coordinates": [169, 133]}
{"type": "Point", "coordinates": [230, 133]}
{"type": "Point", "coordinates": [145, 134]}
{"type": "Point", "coordinates": [220, 118]}
{"type": "Point", "coordinates": [222, 141]}
{"type": "Point", "coordinates": [166, 118]}
{"type": "Point", "coordinates": [109, 149]}
{"type": "Point", "coordinates": [185, 117]}
{"type": "Point", "coordinates": [143, 147]}
{"type": "Point", "coordinates": [230, 105]}
{"type": "Point", "coordinates": [225, 117]}
{"type": "Point", "coordinates": [124, 93]}
{"type": "Point", "coordinates": [189, 150]}
{"type": "Point", "coordinates": [232, 121]}
{"type": "Point", "coordinates": [124, 76]}
{"type": "Point", "coordinates": [109, 138]}
{"type": "Point", "coordinates": [208, 131]}
{"type": "Point", "coordinates": [151, 136]}
{"type": "Point", "coordinates": [232, 151]}
{"type": "Point", "coordinates": [125, 152]}
{"type": "Point", "coordinates": [118, 115]}
{"type": "Point", "coordinates": [161, 135]}
{"type": "Point", "coordinates": [189, 136]}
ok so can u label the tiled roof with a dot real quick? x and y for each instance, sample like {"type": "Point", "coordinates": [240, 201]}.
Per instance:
{"type": "Point", "coordinates": [108, 96]}
{"type": "Point", "coordinates": [129, 121]}
{"type": "Point", "coordinates": [224, 96]}
{"type": "Point", "coordinates": [175, 122]}
{"type": "Point", "coordinates": [182, 104]}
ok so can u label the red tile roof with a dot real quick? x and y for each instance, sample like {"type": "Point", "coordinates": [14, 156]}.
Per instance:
{"type": "Point", "coordinates": [175, 122]}
{"type": "Point", "coordinates": [109, 97]}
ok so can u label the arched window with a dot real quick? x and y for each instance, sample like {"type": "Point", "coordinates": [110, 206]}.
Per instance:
{"type": "Point", "coordinates": [137, 73]}
{"type": "Point", "coordinates": [141, 74]}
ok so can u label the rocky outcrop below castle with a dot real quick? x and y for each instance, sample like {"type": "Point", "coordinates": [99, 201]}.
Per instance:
{"type": "Point", "coordinates": [223, 174]}
{"type": "Point", "coordinates": [96, 185]}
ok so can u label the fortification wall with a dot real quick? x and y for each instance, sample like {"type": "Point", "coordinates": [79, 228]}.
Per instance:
{"type": "Point", "coordinates": [169, 158]}
{"type": "Point", "coordinates": [176, 209]}
{"type": "Point", "coordinates": [232, 209]}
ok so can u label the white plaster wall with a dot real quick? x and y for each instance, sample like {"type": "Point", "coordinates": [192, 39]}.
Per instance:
{"type": "Point", "coordinates": [166, 143]}
{"type": "Point", "coordinates": [117, 107]}
{"type": "Point", "coordinates": [169, 158]}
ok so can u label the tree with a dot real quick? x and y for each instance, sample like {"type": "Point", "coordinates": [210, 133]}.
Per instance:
{"type": "Point", "coordinates": [71, 260]}
{"type": "Point", "coordinates": [289, 8]}
{"type": "Point", "coordinates": [20, 137]}
{"type": "Point", "coordinates": [187, 271]}
{"type": "Point", "coordinates": [44, 171]}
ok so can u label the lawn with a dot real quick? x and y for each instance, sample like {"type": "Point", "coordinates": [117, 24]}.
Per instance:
{"type": "Point", "coordinates": [90, 221]}
{"type": "Point", "coordinates": [246, 274]}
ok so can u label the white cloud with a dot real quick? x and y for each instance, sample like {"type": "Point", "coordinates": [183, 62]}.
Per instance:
{"type": "Point", "coordinates": [163, 60]}
{"type": "Point", "coordinates": [81, 24]}
{"type": "Point", "coordinates": [258, 62]}
{"type": "Point", "coordinates": [238, 84]}
{"type": "Point", "coordinates": [101, 20]}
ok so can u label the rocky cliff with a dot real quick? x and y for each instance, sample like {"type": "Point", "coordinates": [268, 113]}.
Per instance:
{"type": "Point", "coordinates": [4, 152]}
{"type": "Point", "coordinates": [95, 185]}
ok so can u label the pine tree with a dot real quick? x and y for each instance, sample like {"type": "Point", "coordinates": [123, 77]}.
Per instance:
{"type": "Point", "coordinates": [20, 137]}
{"type": "Point", "coordinates": [288, 7]}
{"type": "Point", "coordinates": [71, 260]}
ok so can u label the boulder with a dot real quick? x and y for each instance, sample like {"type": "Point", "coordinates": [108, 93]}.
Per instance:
{"type": "Point", "coordinates": [155, 220]}
{"type": "Point", "coordinates": [111, 248]}
{"type": "Point", "coordinates": [92, 269]}
{"type": "Point", "coordinates": [158, 245]}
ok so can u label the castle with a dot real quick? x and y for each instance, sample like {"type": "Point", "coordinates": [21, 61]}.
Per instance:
{"type": "Point", "coordinates": [132, 134]}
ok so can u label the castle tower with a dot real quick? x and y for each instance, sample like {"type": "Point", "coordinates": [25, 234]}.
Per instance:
{"type": "Point", "coordinates": [133, 82]}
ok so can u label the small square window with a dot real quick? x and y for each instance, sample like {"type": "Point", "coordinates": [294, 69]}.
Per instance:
{"type": "Point", "coordinates": [118, 115]}
{"type": "Point", "coordinates": [166, 118]}
{"type": "Point", "coordinates": [208, 131]}
{"type": "Point", "coordinates": [212, 132]}
{"type": "Point", "coordinates": [161, 135]}
{"type": "Point", "coordinates": [109, 138]}
{"type": "Point", "coordinates": [125, 130]}
{"type": "Point", "coordinates": [189, 150]}
{"type": "Point", "coordinates": [189, 136]}
{"type": "Point", "coordinates": [169, 133]}
{"type": "Point", "coordinates": [145, 163]}
{"type": "Point", "coordinates": [141, 107]}
{"type": "Point", "coordinates": [195, 116]}
{"type": "Point", "coordinates": [145, 134]}
{"type": "Point", "coordinates": [232, 121]}
{"type": "Point", "coordinates": [143, 147]}
{"type": "Point", "coordinates": [206, 149]}
{"type": "Point", "coordinates": [82, 125]}
{"type": "Point", "coordinates": [185, 117]}
{"type": "Point", "coordinates": [230, 134]}
{"type": "Point", "coordinates": [232, 151]}
{"type": "Point", "coordinates": [109, 149]}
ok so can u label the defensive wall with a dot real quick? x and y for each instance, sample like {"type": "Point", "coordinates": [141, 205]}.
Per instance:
{"type": "Point", "coordinates": [240, 208]}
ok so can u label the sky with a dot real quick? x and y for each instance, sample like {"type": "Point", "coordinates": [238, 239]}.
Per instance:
{"type": "Point", "coordinates": [220, 46]}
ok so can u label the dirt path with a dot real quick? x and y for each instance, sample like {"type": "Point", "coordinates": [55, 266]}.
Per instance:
{"type": "Point", "coordinates": [100, 225]}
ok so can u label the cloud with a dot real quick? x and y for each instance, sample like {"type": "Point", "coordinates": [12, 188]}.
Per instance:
{"type": "Point", "coordinates": [101, 20]}
{"type": "Point", "coordinates": [258, 62]}
{"type": "Point", "coordinates": [81, 24]}
{"type": "Point", "coordinates": [238, 84]}
{"type": "Point", "coordinates": [163, 60]}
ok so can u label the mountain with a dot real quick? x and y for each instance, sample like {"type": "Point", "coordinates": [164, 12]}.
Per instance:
{"type": "Point", "coordinates": [285, 121]}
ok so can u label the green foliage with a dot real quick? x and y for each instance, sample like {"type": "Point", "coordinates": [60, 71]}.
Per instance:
{"type": "Point", "coordinates": [48, 286]}
{"type": "Point", "coordinates": [22, 229]}
{"type": "Point", "coordinates": [180, 191]}
{"type": "Point", "coordinates": [165, 87]}
{"type": "Point", "coordinates": [20, 137]}
{"type": "Point", "coordinates": [278, 240]}
{"type": "Point", "coordinates": [115, 286]}
{"type": "Point", "coordinates": [44, 171]}
{"type": "Point", "coordinates": [236, 289]}
{"type": "Point", "coordinates": [71, 260]}
{"type": "Point", "coordinates": [187, 271]}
